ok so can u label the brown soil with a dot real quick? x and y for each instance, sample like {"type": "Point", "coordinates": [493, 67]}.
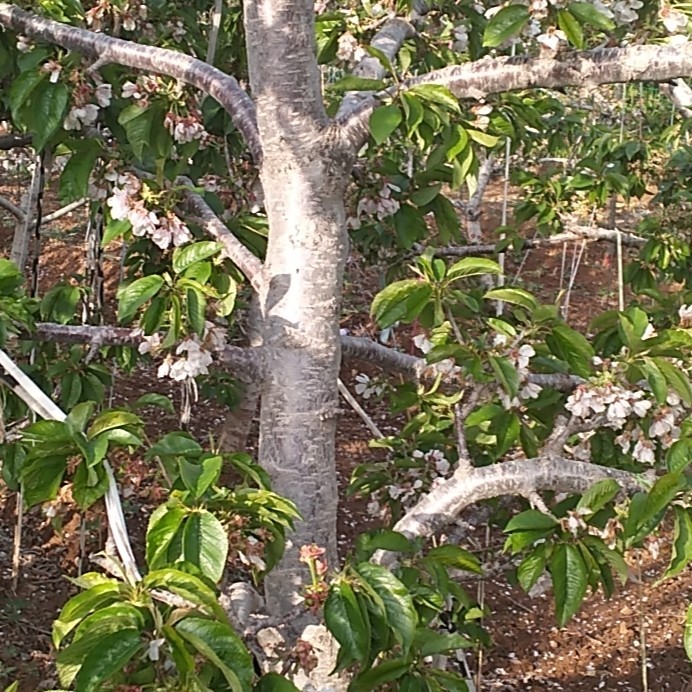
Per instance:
{"type": "Point", "coordinates": [606, 647]}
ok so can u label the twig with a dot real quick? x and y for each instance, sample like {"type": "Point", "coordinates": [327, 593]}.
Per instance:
{"type": "Point", "coordinates": [370, 424]}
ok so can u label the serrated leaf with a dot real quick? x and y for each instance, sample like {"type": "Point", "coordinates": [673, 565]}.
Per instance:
{"type": "Point", "coordinates": [153, 399]}
{"type": "Point", "coordinates": [164, 524]}
{"type": "Point", "coordinates": [571, 346]}
{"type": "Point", "coordinates": [383, 121]}
{"type": "Point", "coordinates": [107, 657]}
{"type": "Point", "coordinates": [436, 93]}
{"type": "Point", "coordinates": [196, 308]}
{"type": "Point", "coordinates": [174, 444]}
{"type": "Point", "coordinates": [508, 22]}
{"type": "Point", "coordinates": [472, 266]}
{"type": "Point", "coordinates": [570, 581]}
{"type": "Point", "coordinates": [530, 520]}
{"type": "Point", "coordinates": [198, 477]}
{"type": "Point", "coordinates": [352, 83]}
{"type": "Point", "coordinates": [345, 620]}
{"type": "Point", "coordinates": [205, 544]}
{"type": "Point", "coordinates": [569, 24]}
{"type": "Point", "coordinates": [48, 106]}
{"type": "Point", "coordinates": [507, 374]}
{"type": "Point", "coordinates": [515, 296]}
{"type": "Point", "coordinates": [401, 301]}
{"type": "Point", "coordinates": [134, 295]}
{"type": "Point", "coordinates": [376, 678]}
{"type": "Point", "coordinates": [217, 642]}
{"type": "Point", "coordinates": [400, 613]}
{"type": "Point", "coordinates": [687, 635]}
{"type": "Point", "coordinates": [599, 495]}
{"type": "Point", "coordinates": [455, 556]}
{"type": "Point", "coordinates": [588, 14]}
{"type": "Point", "coordinates": [483, 138]}
{"type": "Point", "coordinates": [530, 569]}
{"type": "Point", "coordinates": [112, 419]}
{"type": "Point", "coordinates": [187, 255]}
{"type": "Point", "coordinates": [273, 682]}
{"type": "Point", "coordinates": [682, 543]}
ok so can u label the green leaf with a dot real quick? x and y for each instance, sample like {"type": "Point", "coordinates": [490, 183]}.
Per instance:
{"type": "Point", "coordinates": [400, 613]}
{"type": "Point", "coordinates": [79, 606]}
{"type": "Point", "coordinates": [687, 636]}
{"type": "Point", "coordinates": [164, 523]}
{"type": "Point", "coordinates": [436, 93]}
{"type": "Point", "coordinates": [383, 539]}
{"type": "Point", "coordinates": [345, 620]}
{"type": "Point", "coordinates": [401, 301]}
{"type": "Point", "coordinates": [137, 122]}
{"type": "Point", "coordinates": [570, 346]}
{"type": "Point", "coordinates": [107, 657]}
{"type": "Point", "coordinates": [273, 682]}
{"type": "Point", "coordinates": [676, 379]}
{"type": "Point", "coordinates": [198, 477]}
{"type": "Point", "coordinates": [383, 121]}
{"type": "Point", "coordinates": [568, 23]}
{"type": "Point", "coordinates": [507, 374]}
{"type": "Point", "coordinates": [570, 580]}
{"type": "Point", "coordinates": [376, 678]}
{"type": "Point", "coordinates": [679, 455]}
{"type": "Point", "coordinates": [74, 179]}
{"type": "Point", "coordinates": [186, 585]}
{"type": "Point", "coordinates": [48, 105]}
{"type": "Point", "coordinates": [352, 83]}
{"type": "Point", "coordinates": [112, 419]}
{"type": "Point", "coordinates": [508, 22]}
{"type": "Point", "coordinates": [428, 642]}
{"type": "Point", "coordinates": [483, 138]}
{"type": "Point", "coordinates": [599, 495]}
{"type": "Point", "coordinates": [531, 520]}
{"type": "Point", "coordinates": [454, 556]}
{"type": "Point", "coordinates": [196, 309]}
{"type": "Point", "coordinates": [472, 266]}
{"type": "Point", "coordinates": [586, 13]}
{"type": "Point", "coordinates": [682, 543]}
{"type": "Point", "coordinates": [175, 444]}
{"type": "Point", "coordinates": [206, 544]}
{"type": "Point", "coordinates": [660, 496]}
{"type": "Point", "coordinates": [186, 256]}
{"type": "Point", "coordinates": [42, 478]}
{"type": "Point", "coordinates": [425, 195]}
{"type": "Point", "coordinates": [22, 87]}
{"type": "Point", "coordinates": [515, 296]}
{"type": "Point", "coordinates": [530, 569]}
{"type": "Point", "coordinates": [221, 645]}
{"type": "Point", "coordinates": [134, 295]}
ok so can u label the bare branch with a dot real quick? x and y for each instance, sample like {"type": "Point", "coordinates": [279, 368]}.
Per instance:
{"type": "Point", "coordinates": [248, 263]}
{"type": "Point", "coordinates": [247, 360]}
{"type": "Point", "coordinates": [11, 207]}
{"type": "Point", "coordinates": [67, 209]}
{"type": "Point", "coordinates": [574, 233]}
{"type": "Point", "coordinates": [565, 428]}
{"type": "Point", "coordinates": [522, 477]}
{"type": "Point", "coordinates": [680, 94]}
{"type": "Point", "coordinates": [14, 140]}
{"type": "Point", "coordinates": [224, 88]}
{"type": "Point", "coordinates": [358, 348]}
{"type": "Point", "coordinates": [496, 75]}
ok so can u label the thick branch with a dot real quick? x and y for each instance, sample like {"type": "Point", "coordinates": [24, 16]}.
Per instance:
{"type": "Point", "coordinates": [520, 478]}
{"type": "Point", "coordinates": [224, 88]}
{"type": "Point", "coordinates": [11, 207]}
{"type": "Point", "coordinates": [496, 75]}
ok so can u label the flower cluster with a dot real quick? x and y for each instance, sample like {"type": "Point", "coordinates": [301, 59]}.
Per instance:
{"type": "Point", "coordinates": [444, 367]}
{"type": "Point", "coordinates": [380, 207]}
{"type": "Point", "coordinates": [520, 356]}
{"type": "Point", "coordinates": [431, 469]}
{"type": "Point", "coordinates": [349, 50]}
{"type": "Point", "coordinates": [366, 387]}
{"type": "Point", "coordinates": [87, 100]}
{"type": "Point", "coordinates": [317, 591]}
{"type": "Point", "coordinates": [128, 15]}
{"type": "Point", "coordinates": [126, 203]}
{"type": "Point", "coordinates": [616, 402]}
{"type": "Point", "coordinates": [185, 129]}
{"type": "Point", "coordinates": [575, 524]}
{"type": "Point", "coordinates": [141, 90]}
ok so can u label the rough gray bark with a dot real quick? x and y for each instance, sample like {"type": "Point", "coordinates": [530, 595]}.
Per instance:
{"type": "Point", "coordinates": [304, 179]}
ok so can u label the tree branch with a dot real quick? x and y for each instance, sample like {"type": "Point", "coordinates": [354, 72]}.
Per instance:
{"type": "Point", "coordinates": [11, 207]}
{"type": "Point", "coordinates": [248, 360]}
{"type": "Point", "coordinates": [224, 88]}
{"type": "Point", "coordinates": [522, 478]}
{"type": "Point", "coordinates": [248, 263]}
{"type": "Point", "coordinates": [575, 232]}
{"type": "Point", "coordinates": [495, 75]}
{"type": "Point", "coordinates": [359, 348]}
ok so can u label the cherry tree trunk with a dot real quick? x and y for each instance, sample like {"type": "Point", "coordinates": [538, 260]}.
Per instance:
{"type": "Point", "coordinates": [304, 178]}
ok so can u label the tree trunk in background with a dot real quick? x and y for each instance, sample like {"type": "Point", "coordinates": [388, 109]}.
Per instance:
{"type": "Point", "coordinates": [304, 182]}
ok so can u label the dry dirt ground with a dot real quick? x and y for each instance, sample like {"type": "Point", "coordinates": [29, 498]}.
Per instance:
{"type": "Point", "coordinates": [610, 645]}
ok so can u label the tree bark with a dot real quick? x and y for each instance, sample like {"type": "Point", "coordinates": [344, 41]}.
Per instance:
{"type": "Point", "coordinates": [304, 180]}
